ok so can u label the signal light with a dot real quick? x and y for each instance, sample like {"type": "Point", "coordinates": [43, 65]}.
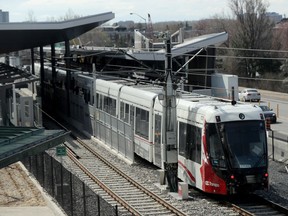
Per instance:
{"type": "Point", "coordinates": [232, 177]}
{"type": "Point", "coordinates": [266, 175]}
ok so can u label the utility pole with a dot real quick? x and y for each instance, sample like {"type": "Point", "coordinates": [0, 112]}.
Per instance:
{"type": "Point", "coordinates": [170, 122]}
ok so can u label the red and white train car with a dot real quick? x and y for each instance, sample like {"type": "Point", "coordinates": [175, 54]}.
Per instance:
{"type": "Point", "coordinates": [222, 147]}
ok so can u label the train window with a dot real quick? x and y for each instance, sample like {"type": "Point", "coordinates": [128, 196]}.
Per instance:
{"type": "Point", "coordinates": [142, 123]}
{"type": "Point", "coordinates": [124, 112]}
{"type": "Point", "coordinates": [157, 139]}
{"type": "Point", "coordinates": [126, 119]}
{"type": "Point", "coordinates": [198, 144]}
{"type": "Point", "coordinates": [182, 138]}
{"type": "Point", "coordinates": [132, 111]}
{"type": "Point", "coordinates": [97, 100]}
{"type": "Point", "coordinates": [100, 102]}
{"type": "Point", "coordinates": [247, 144]}
{"type": "Point", "coordinates": [106, 104]}
{"type": "Point", "coordinates": [190, 142]}
{"type": "Point", "coordinates": [215, 148]}
{"type": "Point", "coordinates": [110, 105]}
{"type": "Point", "coordinates": [144, 115]}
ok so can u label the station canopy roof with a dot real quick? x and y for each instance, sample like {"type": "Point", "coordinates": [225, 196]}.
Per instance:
{"type": "Point", "coordinates": [27, 35]}
{"type": "Point", "coordinates": [17, 143]}
{"type": "Point", "coordinates": [11, 75]}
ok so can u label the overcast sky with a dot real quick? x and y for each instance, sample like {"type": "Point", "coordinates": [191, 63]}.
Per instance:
{"type": "Point", "coordinates": [160, 10]}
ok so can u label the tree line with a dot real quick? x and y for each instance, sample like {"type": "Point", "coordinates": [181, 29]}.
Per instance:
{"type": "Point", "coordinates": [256, 49]}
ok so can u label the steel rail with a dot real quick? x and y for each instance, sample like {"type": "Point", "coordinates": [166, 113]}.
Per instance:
{"type": "Point", "coordinates": [136, 184]}
{"type": "Point", "coordinates": [128, 207]}
{"type": "Point", "coordinates": [259, 201]}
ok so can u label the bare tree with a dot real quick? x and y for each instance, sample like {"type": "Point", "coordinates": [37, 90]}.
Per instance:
{"type": "Point", "coordinates": [31, 16]}
{"type": "Point", "coordinates": [69, 15]}
{"type": "Point", "coordinates": [253, 30]}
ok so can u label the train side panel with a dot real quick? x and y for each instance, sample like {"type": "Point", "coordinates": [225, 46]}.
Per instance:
{"type": "Point", "coordinates": [190, 151]}
{"type": "Point", "coordinates": [142, 102]}
{"type": "Point", "coordinates": [198, 120]}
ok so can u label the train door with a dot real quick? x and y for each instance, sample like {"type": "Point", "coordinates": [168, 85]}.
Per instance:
{"type": "Point", "coordinates": [157, 140]}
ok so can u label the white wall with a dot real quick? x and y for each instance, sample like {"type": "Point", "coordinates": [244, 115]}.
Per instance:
{"type": "Point", "coordinates": [222, 85]}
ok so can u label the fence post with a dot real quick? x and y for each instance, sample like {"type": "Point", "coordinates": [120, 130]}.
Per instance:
{"type": "Point", "coordinates": [272, 145]}
{"type": "Point", "coordinates": [37, 168]}
{"type": "Point", "coordinates": [52, 176]}
{"type": "Point", "coordinates": [71, 193]}
{"type": "Point", "coordinates": [30, 164]}
{"type": "Point", "coordinates": [84, 198]}
{"type": "Point", "coordinates": [43, 167]}
{"type": "Point", "coordinates": [98, 202]}
{"type": "Point", "coordinates": [62, 186]}
{"type": "Point", "coordinates": [277, 111]}
{"type": "Point", "coordinates": [116, 210]}
{"type": "Point", "coordinates": [268, 124]}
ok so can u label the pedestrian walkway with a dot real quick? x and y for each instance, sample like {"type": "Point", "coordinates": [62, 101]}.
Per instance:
{"type": "Point", "coordinates": [21, 194]}
{"type": "Point", "coordinates": [26, 211]}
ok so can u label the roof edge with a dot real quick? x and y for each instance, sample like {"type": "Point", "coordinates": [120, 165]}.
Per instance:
{"type": "Point", "coordinates": [57, 25]}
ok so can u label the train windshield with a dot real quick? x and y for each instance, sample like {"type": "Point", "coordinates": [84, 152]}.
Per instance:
{"type": "Point", "coordinates": [241, 144]}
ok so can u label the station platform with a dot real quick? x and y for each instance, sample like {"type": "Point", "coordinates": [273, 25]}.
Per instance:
{"type": "Point", "coordinates": [16, 143]}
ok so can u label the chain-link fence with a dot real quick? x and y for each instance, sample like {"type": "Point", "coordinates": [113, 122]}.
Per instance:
{"type": "Point", "coordinates": [75, 198]}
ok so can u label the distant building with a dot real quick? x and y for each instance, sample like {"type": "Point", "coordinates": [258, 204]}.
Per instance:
{"type": "Point", "coordinates": [4, 16]}
{"type": "Point", "coordinates": [275, 17]}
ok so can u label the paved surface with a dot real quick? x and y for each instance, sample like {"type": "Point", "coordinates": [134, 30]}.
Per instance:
{"type": "Point", "coordinates": [26, 211]}
{"type": "Point", "coordinates": [21, 194]}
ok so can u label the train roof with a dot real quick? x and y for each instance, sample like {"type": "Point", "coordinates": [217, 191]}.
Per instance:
{"type": "Point", "coordinates": [188, 103]}
{"type": "Point", "coordinates": [155, 88]}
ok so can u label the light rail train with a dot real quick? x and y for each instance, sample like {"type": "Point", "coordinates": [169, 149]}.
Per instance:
{"type": "Point", "coordinates": [222, 147]}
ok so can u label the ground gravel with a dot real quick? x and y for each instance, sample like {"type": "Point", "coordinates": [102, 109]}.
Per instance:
{"type": "Point", "coordinates": [17, 189]}
{"type": "Point", "coordinates": [278, 179]}
{"type": "Point", "coordinates": [200, 204]}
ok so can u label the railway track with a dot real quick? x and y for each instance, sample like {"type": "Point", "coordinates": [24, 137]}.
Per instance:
{"type": "Point", "coordinates": [256, 205]}
{"type": "Point", "coordinates": [115, 186]}
{"type": "Point", "coordinates": [131, 201]}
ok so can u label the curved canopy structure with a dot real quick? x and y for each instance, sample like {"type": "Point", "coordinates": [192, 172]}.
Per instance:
{"type": "Point", "coordinates": [27, 35]}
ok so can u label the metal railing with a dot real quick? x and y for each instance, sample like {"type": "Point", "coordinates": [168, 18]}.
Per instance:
{"type": "Point", "coordinates": [72, 194]}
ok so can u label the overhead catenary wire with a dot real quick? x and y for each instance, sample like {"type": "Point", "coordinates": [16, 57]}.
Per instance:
{"type": "Point", "coordinates": [173, 51]}
{"type": "Point", "coordinates": [199, 55]}
{"type": "Point", "coordinates": [162, 83]}
{"type": "Point", "coordinates": [184, 73]}
{"type": "Point", "coordinates": [188, 70]}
